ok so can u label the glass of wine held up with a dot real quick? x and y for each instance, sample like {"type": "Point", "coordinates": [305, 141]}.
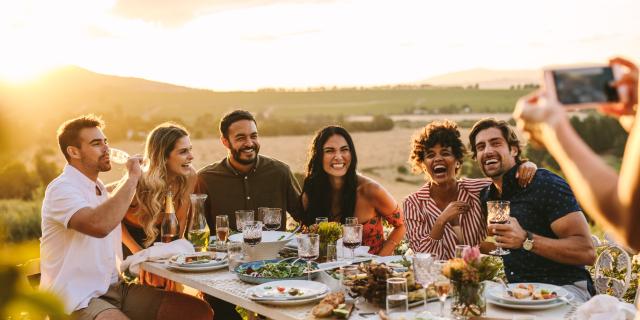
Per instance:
{"type": "Point", "coordinates": [498, 212]}
{"type": "Point", "coordinates": [352, 237]}
{"type": "Point", "coordinates": [308, 249]}
{"type": "Point", "coordinates": [252, 232]}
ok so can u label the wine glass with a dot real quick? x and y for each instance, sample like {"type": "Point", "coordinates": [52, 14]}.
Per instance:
{"type": "Point", "coordinates": [350, 220]}
{"type": "Point", "coordinates": [252, 232]}
{"type": "Point", "coordinates": [460, 248]}
{"type": "Point", "coordinates": [222, 229]}
{"type": "Point", "coordinates": [422, 268]}
{"type": "Point", "coordinates": [442, 283]}
{"type": "Point", "coordinates": [243, 216]}
{"type": "Point", "coordinates": [498, 213]}
{"type": "Point", "coordinates": [308, 249]}
{"type": "Point", "coordinates": [352, 237]}
{"type": "Point", "coordinates": [397, 297]}
{"type": "Point", "coordinates": [271, 218]}
{"type": "Point", "coordinates": [321, 219]}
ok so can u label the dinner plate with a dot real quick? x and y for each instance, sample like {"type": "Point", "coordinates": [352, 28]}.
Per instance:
{"type": "Point", "coordinates": [175, 261]}
{"type": "Point", "coordinates": [498, 292]}
{"type": "Point", "coordinates": [553, 304]}
{"type": "Point", "coordinates": [267, 293]}
{"type": "Point", "coordinates": [259, 280]}
{"type": "Point", "coordinates": [201, 268]}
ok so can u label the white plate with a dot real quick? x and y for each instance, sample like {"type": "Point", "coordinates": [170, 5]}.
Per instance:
{"type": "Point", "coordinates": [200, 268]}
{"type": "Point", "coordinates": [180, 257]}
{"type": "Point", "coordinates": [555, 303]}
{"type": "Point", "coordinates": [313, 291]}
{"type": "Point", "coordinates": [497, 292]}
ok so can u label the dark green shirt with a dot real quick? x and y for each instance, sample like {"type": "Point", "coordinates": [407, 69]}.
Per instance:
{"type": "Point", "coordinates": [269, 184]}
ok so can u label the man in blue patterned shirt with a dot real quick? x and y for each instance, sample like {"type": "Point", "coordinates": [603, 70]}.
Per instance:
{"type": "Point", "coordinates": [547, 234]}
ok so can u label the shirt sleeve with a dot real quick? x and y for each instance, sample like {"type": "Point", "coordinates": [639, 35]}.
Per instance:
{"type": "Point", "coordinates": [61, 202]}
{"type": "Point", "coordinates": [394, 218]}
{"type": "Point", "coordinates": [418, 231]}
{"type": "Point", "coordinates": [557, 198]}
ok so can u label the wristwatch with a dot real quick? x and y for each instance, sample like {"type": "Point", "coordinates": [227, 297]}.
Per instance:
{"type": "Point", "coordinates": [528, 242]}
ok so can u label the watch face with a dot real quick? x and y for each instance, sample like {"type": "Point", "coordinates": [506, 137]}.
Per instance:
{"type": "Point", "coordinates": [527, 245]}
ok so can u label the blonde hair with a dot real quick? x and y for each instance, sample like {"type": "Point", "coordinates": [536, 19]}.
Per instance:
{"type": "Point", "coordinates": [153, 185]}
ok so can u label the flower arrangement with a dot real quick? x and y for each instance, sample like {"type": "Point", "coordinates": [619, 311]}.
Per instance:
{"type": "Point", "coordinates": [467, 275]}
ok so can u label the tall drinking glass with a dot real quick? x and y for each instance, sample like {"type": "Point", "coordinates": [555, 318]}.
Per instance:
{"type": "Point", "coordinates": [422, 268]}
{"type": "Point", "coordinates": [351, 220]}
{"type": "Point", "coordinates": [222, 229]}
{"type": "Point", "coordinates": [442, 283]}
{"type": "Point", "coordinates": [308, 249]}
{"type": "Point", "coordinates": [397, 297]}
{"type": "Point", "coordinates": [243, 216]}
{"type": "Point", "coordinates": [352, 237]}
{"type": "Point", "coordinates": [252, 232]}
{"type": "Point", "coordinates": [348, 275]}
{"type": "Point", "coordinates": [272, 217]}
{"type": "Point", "coordinates": [321, 219]}
{"type": "Point", "coordinates": [198, 230]}
{"type": "Point", "coordinates": [460, 248]}
{"type": "Point", "coordinates": [498, 212]}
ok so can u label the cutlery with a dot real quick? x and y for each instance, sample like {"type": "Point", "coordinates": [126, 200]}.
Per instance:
{"type": "Point", "coordinates": [293, 233]}
{"type": "Point", "coordinates": [506, 288]}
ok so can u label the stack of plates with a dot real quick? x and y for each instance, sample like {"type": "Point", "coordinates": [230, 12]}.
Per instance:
{"type": "Point", "coordinates": [288, 292]}
{"type": "Point", "coordinates": [218, 261]}
{"type": "Point", "coordinates": [499, 296]}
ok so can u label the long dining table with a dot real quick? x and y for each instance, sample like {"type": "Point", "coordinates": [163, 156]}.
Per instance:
{"type": "Point", "coordinates": [225, 285]}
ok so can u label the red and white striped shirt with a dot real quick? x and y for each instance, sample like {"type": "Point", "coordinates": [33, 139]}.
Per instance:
{"type": "Point", "coordinates": [421, 212]}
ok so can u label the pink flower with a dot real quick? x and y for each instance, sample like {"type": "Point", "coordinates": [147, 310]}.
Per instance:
{"type": "Point", "coordinates": [471, 254]}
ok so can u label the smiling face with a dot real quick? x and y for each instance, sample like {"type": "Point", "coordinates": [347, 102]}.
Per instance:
{"type": "Point", "coordinates": [440, 164]}
{"type": "Point", "coordinates": [179, 160]}
{"type": "Point", "coordinates": [243, 142]}
{"type": "Point", "coordinates": [336, 156]}
{"type": "Point", "coordinates": [494, 155]}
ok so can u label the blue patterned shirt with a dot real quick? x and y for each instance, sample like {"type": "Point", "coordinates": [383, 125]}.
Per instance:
{"type": "Point", "coordinates": [545, 200]}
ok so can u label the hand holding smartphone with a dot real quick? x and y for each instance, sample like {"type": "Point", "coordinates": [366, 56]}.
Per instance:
{"type": "Point", "coordinates": [582, 87]}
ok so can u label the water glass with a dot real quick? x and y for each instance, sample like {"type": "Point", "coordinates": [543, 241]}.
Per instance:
{"type": "Point", "coordinates": [348, 275]}
{"type": "Point", "coordinates": [397, 297]}
{"type": "Point", "coordinates": [332, 252]}
{"type": "Point", "coordinates": [308, 249]}
{"type": "Point", "coordinates": [350, 220]}
{"type": "Point", "coordinates": [235, 255]}
{"type": "Point", "coordinates": [243, 216]}
{"type": "Point", "coordinates": [271, 217]}
{"type": "Point", "coordinates": [460, 248]}
{"type": "Point", "coordinates": [423, 271]}
{"type": "Point", "coordinates": [321, 219]}
{"type": "Point", "coordinates": [498, 212]}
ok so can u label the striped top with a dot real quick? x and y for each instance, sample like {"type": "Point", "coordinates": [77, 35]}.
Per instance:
{"type": "Point", "coordinates": [421, 212]}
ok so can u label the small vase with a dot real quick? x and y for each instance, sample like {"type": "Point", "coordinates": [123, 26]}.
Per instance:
{"type": "Point", "coordinates": [468, 300]}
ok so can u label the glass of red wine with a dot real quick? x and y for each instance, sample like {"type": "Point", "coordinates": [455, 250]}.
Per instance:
{"type": "Point", "coordinates": [308, 249]}
{"type": "Point", "coordinates": [272, 218]}
{"type": "Point", "coordinates": [252, 232]}
{"type": "Point", "coordinates": [352, 237]}
{"type": "Point", "coordinates": [498, 212]}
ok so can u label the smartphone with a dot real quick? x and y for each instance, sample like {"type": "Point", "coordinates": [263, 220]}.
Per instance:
{"type": "Point", "coordinates": [582, 87]}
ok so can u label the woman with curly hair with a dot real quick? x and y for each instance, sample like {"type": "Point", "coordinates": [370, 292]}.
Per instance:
{"type": "Point", "coordinates": [168, 151]}
{"type": "Point", "coordinates": [446, 210]}
{"type": "Point", "coordinates": [332, 188]}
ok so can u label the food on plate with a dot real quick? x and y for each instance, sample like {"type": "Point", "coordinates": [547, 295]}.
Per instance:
{"type": "Point", "coordinates": [529, 291]}
{"type": "Point", "coordinates": [194, 258]}
{"type": "Point", "coordinates": [280, 291]}
{"type": "Point", "coordinates": [520, 293]}
{"type": "Point", "coordinates": [328, 304]}
{"type": "Point", "coordinates": [544, 294]}
{"type": "Point", "coordinates": [278, 270]}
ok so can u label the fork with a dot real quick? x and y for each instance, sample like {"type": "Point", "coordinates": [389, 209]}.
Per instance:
{"type": "Point", "coordinates": [506, 288]}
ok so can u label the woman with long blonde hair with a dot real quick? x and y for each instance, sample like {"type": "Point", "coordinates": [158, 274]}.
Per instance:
{"type": "Point", "coordinates": [168, 152]}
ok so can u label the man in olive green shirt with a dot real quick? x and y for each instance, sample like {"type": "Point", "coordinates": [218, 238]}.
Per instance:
{"type": "Point", "coordinates": [245, 180]}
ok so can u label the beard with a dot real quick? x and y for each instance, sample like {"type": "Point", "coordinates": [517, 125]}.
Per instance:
{"type": "Point", "coordinates": [237, 154]}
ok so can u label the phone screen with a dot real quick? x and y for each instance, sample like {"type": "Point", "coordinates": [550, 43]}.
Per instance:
{"type": "Point", "coordinates": [585, 85]}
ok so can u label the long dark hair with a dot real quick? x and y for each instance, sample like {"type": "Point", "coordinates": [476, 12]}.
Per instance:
{"type": "Point", "coordinates": [316, 181]}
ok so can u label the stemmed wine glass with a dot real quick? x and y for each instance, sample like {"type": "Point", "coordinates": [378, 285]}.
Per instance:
{"type": "Point", "coordinates": [271, 218]}
{"type": "Point", "coordinates": [222, 229]}
{"type": "Point", "coordinates": [308, 249]}
{"type": "Point", "coordinates": [498, 212]}
{"type": "Point", "coordinates": [252, 232]}
{"type": "Point", "coordinates": [422, 268]}
{"type": "Point", "coordinates": [442, 283]}
{"type": "Point", "coordinates": [352, 237]}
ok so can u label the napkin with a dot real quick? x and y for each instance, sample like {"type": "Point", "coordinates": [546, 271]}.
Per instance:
{"type": "Point", "coordinates": [361, 251]}
{"type": "Point", "coordinates": [158, 251]}
{"type": "Point", "coordinates": [605, 307]}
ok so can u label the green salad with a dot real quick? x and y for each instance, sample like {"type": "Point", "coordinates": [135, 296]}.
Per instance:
{"type": "Point", "coordinates": [278, 270]}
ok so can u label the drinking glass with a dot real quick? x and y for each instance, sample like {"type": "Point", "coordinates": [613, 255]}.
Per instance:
{"type": "Point", "coordinates": [422, 268]}
{"type": "Point", "coordinates": [198, 230]}
{"type": "Point", "coordinates": [222, 229]}
{"type": "Point", "coordinates": [243, 216]}
{"type": "Point", "coordinates": [235, 255]}
{"type": "Point", "coordinates": [348, 275]}
{"type": "Point", "coordinates": [442, 283]}
{"type": "Point", "coordinates": [350, 220]}
{"type": "Point", "coordinates": [118, 156]}
{"type": "Point", "coordinates": [308, 249]}
{"type": "Point", "coordinates": [332, 252]}
{"type": "Point", "coordinates": [252, 232]}
{"type": "Point", "coordinates": [397, 297]}
{"type": "Point", "coordinates": [498, 213]}
{"type": "Point", "coordinates": [460, 248]}
{"type": "Point", "coordinates": [352, 237]}
{"type": "Point", "coordinates": [271, 217]}
{"type": "Point", "coordinates": [321, 219]}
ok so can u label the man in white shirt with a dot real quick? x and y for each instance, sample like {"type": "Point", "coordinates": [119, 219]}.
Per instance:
{"type": "Point", "coordinates": [81, 248]}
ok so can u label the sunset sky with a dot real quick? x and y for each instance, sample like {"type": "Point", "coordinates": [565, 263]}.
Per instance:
{"type": "Point", "coordinates": [246, 45]}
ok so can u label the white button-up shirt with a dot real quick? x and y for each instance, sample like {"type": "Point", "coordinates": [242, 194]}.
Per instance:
{"type": "Point", "coordinates": [76, 266]}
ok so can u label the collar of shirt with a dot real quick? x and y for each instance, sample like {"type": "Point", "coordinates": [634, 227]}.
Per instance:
{"type": "Point", "coordinates": [81, 179]}
{"type": "Point", "coordinates": [510, 185]}
{"type": "Point", "coordinates": [233, 170]}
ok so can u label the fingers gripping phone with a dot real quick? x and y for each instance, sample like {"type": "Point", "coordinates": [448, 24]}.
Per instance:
{"type": "Point", "coordinates": [582, 87]}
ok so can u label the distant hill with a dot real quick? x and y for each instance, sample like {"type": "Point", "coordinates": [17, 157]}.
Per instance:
{"type": "Point", "coordinates": [486, 78]}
